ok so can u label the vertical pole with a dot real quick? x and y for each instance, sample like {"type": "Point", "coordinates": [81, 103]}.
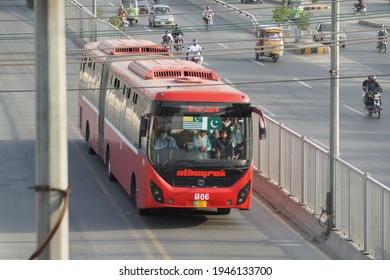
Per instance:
{"type": "Point", "coordinates": [94, 8]}
{"type": "Point", "coordinates": [94, 21]}
{"type": "Point", "coordinates": [51, 126]}
{"type": "Point", "coordinates": [334, 114]}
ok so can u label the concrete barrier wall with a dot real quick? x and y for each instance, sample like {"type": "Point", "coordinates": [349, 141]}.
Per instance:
{"type": "Point", "coordinates": [336, 245]}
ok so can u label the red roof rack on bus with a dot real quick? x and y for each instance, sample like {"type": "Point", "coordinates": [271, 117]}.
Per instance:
{"type": "Point", "coordinates": [132, 46]}
{"type": "Point", "coordinates": [166, 69]}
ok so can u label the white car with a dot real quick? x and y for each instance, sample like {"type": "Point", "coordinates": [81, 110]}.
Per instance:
{"type": "Point", "coordinates": [144, 6]}
{"type": "Point", "coordinates": [323, 34]}
{"type": "Point", "coordinates": [161, 15]}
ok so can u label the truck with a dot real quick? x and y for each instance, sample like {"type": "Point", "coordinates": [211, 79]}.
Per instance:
{"type": "Point", "coordinates": [323, 34]}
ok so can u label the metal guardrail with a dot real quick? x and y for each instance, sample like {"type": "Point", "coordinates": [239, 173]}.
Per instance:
{"type": "Point", "coordinates": [237, 10]}
{"type": "Point", "coordinates": [299, 166]}
{"type": "Point", "coordinates": [86, 27]}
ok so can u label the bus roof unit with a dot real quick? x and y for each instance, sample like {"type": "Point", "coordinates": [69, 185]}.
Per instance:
{"type": "Point", "coordinates": [166, 69]}
{"type": "Point", "coordinates": [114, 47]}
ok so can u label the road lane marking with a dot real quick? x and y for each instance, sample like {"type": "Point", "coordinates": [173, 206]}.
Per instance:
{"type": "Point", "coordinates": [139, 235]}
{"type": "Point", "coordinates": [257, 62]}
{"type": "Point", "coordinates": [229, 82]}
{"type": "Point", "coordinates": [111, 4]}
{"type": "Point", "coordinates": [226, 47]}
{"type": "Point", "coordinates": [306, 85]}
{"type": "Point", "coordinates": [352, 109]}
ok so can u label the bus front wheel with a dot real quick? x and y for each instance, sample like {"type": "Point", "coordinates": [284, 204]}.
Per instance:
{"type": "Point", "coordinates": [224, 211]}
{"type": "Point", "coordinates": [140, 211]}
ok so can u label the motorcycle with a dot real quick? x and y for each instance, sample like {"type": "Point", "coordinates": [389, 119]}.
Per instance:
{"type": "Point", "coordinates": [178, 42]}
{"type": "Point", "coordinates": [374, 103]}
{"type": "Point", "coordinates": [359, 9]}
{"type": "Point", "coordinates": [197, 58]}
{"type": "Point", "coordinates": [382, 45]}
{"type": "Point", "coordinates": [208, 22]}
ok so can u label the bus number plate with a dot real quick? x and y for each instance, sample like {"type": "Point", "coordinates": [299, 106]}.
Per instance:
{"type": "Point", "coordinates": [200, 199]}
{"type": "Point", "coordinates": [200, 203]}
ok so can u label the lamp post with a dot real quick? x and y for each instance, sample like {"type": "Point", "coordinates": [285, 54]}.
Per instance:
{"type": "Point", "coordinates": [334, 114]}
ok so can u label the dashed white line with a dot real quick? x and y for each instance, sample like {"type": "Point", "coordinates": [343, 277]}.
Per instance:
{"type": "Point", "coordinates": [111, 4]}
{"type": "Point", "coordinates": [226, 47]}
{"type": "Point", "coordinates": [352, 109]}
{"type": "Point", "coordinates": [229, 82]}
{"type": "Point", "coordinates": [257, 62]}
{"type": "Point", "coordinates": [306, 85]}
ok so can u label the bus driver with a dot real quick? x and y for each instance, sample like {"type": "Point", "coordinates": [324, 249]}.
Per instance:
{"type": "Point", "coordinates": [165, 141]}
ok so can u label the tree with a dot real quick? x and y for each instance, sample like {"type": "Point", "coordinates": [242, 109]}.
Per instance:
{"type": "Point", "coordinates": [281, 14]}
{"type": "Point", "coordinates": [303, 20]}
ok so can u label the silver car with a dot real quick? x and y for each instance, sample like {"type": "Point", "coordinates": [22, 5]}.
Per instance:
{"type": "Point", "coordinates": [161, 15]}
{"type": "Point", "coordinates": [323, 34]}
{"type": "Point", "coordinates": [144, 6]}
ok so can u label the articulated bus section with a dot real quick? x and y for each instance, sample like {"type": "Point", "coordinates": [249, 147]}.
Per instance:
{"type": "Point", "coordinates": [96, 58]}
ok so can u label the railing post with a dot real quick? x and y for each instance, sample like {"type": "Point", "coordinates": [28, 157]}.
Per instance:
{"type": "Point", "coordinates": [365, 213]}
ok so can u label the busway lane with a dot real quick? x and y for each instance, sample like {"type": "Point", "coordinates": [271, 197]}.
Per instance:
{"type": "Point", "coordinates": [103, 224]}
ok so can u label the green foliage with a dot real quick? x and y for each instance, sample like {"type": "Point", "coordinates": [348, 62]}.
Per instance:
{"type": "Point", "coordinates": [116, 21]}
{"type": "Point", "coordinates": [303, 20]}
{"type": "Point", "coordinates": [315, 1]}
{"type": "Point", "coordinates": [281, 14]}
{"type": "Point", "coordinates": [99, 12]}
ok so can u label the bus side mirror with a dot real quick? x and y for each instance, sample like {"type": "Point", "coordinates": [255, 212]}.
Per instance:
{"type": "Point", "coordinates": [262, 132]}
{"type": "Point", "coordinates": [144, 126]}
{"type": "Point", "coordinates": [262, 126]}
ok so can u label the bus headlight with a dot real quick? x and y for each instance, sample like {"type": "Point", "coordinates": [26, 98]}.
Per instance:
{"type": "Point", "coordinates": [157, 192]}
{"type": "Point", "coordinates": [243, 194]}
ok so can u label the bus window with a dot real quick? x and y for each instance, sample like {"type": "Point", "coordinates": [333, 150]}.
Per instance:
{"type": "Point", "coordinates": [196, 137]}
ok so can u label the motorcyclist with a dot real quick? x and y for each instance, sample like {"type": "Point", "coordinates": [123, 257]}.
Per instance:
{"type": "Point", "coordinates": [359, 5]}
{"type": "Point", "coordinates": [122, 13]}
{"type": "Point", "coordinates": [208, 14]}
{"type": "Point", "coordinates": [370, 85]}
{"type": "Point", "coordinates": [195, 50]}
{"type": "Point", "coordinates": [167, 39]}
{"type": "Point", "coordinates": [176, 34]}
{"type": "Point", "coordinates": [382, 35]}
{"type": "Point", "coordinates": [176, 31]}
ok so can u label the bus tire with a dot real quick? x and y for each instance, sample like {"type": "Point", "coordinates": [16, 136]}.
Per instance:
{"type": "Point", "coordinates": [111, 176]}
{"type": "Point", "coordinates": [224, 211]}
{"type": "Point", "coordinates": [88, 139]}
{"type": "Point", "coordinates": [133, 190]}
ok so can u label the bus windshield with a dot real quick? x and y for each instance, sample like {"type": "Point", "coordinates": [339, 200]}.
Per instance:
{"type": "Point", "coordinates": [201, 135]}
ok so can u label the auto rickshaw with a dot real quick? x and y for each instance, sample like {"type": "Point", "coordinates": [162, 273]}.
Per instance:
{"type": "Point", "coordinates": [269, 42]}
{"type": "Point", "coordinates": [131, 7]}
{"type": "Point", "coordinates": [296, 9]}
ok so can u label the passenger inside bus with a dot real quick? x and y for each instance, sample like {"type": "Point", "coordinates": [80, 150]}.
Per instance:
{"type": "Point", "coordinates": [237, 141]}
{"type": "Point", "coordinates": [202, 143]}
{"type": "Point", "coordinates": [164, 141]}
{"type": "Point", "coordinates": [214, 135]}
{"type": "Point", "coordinates": [224, 146]}
{"type": "Point", "coordinates": [227, 124]}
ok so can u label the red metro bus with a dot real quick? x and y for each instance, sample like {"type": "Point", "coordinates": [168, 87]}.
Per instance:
{"type": "Point", "coordinates": [141, 99]}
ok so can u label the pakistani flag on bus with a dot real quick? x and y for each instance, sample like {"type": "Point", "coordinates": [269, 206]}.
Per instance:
{"type": "Point", "coordinates": [202, 123]}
